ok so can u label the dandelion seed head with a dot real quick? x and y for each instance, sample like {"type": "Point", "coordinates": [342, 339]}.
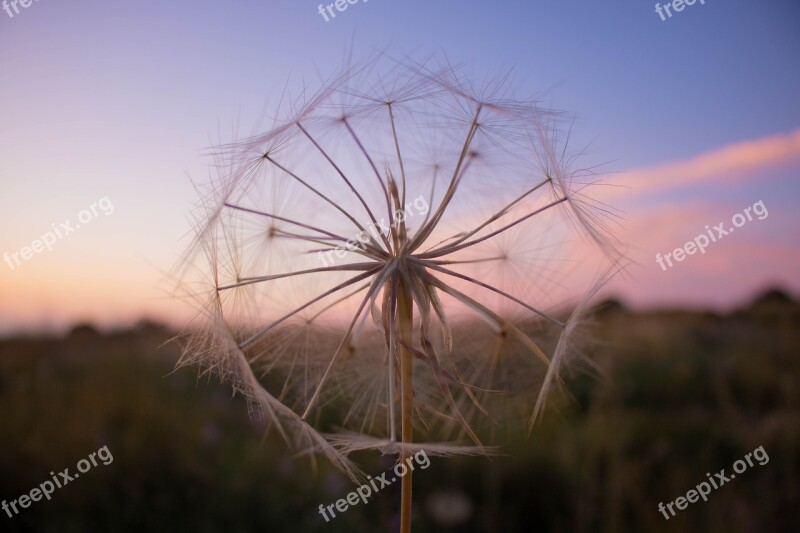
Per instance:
{"type": "Point", "coordinates": [409, 182]}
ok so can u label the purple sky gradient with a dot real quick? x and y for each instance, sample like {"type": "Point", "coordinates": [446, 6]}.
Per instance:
{"type": "Point", "coordinates": [696, 115]}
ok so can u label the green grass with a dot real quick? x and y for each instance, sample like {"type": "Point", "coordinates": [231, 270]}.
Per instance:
{"type": "Point", "coordinates": [684, 394]}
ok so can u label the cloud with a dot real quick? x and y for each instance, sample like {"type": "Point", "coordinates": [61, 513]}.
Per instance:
{"type": "Point", "coordinates": [736, 161]}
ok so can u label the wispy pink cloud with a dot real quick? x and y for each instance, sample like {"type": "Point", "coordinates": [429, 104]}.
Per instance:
{"type": "Point", "coordinates": [736, 161]}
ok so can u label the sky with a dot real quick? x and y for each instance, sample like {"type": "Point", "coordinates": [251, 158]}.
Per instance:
{"type": "Point", "coordinates": [114, 104]}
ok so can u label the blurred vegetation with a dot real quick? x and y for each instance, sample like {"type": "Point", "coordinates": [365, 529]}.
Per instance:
{"type": "Point", "coordinates": [677, 394]}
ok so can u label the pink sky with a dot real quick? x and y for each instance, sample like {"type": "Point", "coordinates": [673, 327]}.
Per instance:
{"type": "Point", "coordinates": [761, 253]}
{"type": "Point", "coordinates": [74, 282]}
{"type": "Point", "coordinates": [112, 270]}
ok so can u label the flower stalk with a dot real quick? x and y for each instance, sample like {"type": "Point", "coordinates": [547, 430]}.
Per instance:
{"type": "Point", "coordinates": [405, 319]}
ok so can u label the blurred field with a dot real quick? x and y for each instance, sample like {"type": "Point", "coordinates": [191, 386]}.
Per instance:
{"type": "Point", "coordinates": [682, 394]}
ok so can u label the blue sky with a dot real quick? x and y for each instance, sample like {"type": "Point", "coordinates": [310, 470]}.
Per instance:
{"type": "Point", "coordinates": [118, 99]}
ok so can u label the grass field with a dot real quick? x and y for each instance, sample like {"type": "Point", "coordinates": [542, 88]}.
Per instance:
{"type": "Point", "coordinates": [680, 394]}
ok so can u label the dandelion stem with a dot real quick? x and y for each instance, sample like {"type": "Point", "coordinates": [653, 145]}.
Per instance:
{"type": "Point", "coordinates": [405, 319]}
{"type": "Point", "coordinates": [392, 356]}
